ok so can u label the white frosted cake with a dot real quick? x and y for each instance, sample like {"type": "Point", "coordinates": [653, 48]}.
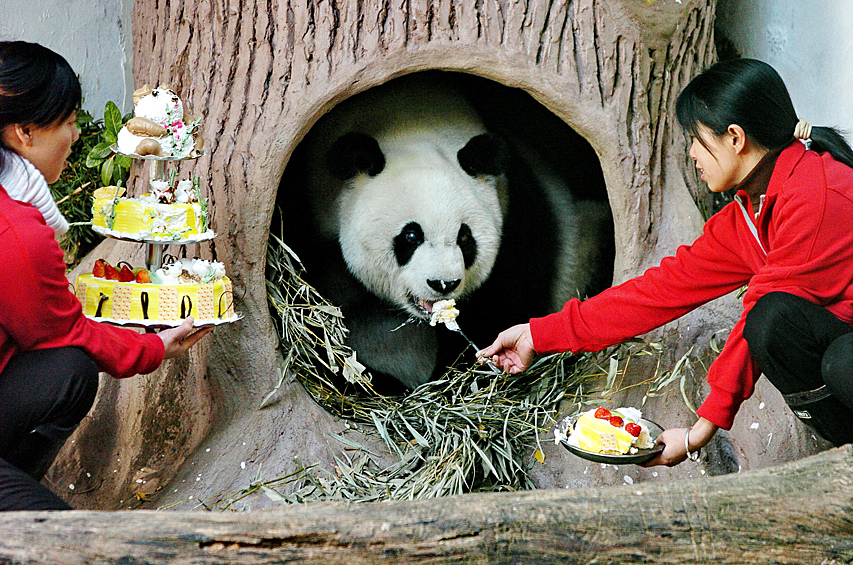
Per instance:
{"type": "Point", "coordinates": [159, 126]}
{"type": "Point", "coordinates": [170, 212]}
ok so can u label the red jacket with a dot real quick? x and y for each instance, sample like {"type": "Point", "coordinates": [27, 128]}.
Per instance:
{"type": "Point", "coordinates": [38, 310]}
{"type": "Point", "coordinates": [801, 242]}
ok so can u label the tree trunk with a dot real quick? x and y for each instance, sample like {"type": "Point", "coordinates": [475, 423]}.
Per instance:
{"type": "Point", "coordinates": [261, 72]}
{"type": "Point", "coordinates": [796, 513]}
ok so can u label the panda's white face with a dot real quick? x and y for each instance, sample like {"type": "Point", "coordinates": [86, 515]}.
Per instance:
{"type": "Point", "coordinates": [422, 229]}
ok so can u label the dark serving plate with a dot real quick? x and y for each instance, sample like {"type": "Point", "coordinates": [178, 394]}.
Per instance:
{"type": "Point", "coordinates": [641, 456]}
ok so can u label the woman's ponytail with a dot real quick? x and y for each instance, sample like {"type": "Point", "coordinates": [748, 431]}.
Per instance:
{"type": "Point", "coordinates": [830, 140]}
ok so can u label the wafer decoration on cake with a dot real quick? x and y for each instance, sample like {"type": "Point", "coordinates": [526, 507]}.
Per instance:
{"type": "Point", "coordinates": [205, 302]}
{"type": "Point", "coordinates": [121, 301]}
{"type": "Point", "coordinates": [80, 291]}
{"type": "Point", "coordinates": [169, 306]}
{"type": "Point", "coordinates": [229, 296]}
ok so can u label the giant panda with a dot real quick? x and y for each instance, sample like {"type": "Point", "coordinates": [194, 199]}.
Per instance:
{"type": "Point", "coordinates": [411, 200]}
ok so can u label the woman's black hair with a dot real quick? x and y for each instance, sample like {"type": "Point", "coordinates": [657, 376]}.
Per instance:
{"type": "Point", "coordinates": [751, 94]}
{"type": "Point", "coordinates": [37, 86]}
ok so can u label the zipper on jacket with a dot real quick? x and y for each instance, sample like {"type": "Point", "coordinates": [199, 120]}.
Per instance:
{"type": "Point", "coordinates": [750, 222]}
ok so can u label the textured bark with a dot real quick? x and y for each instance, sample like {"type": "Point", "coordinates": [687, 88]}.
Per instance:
{"type": "Point", "coordinates": [261, 72]}
{"type": "Point", "coordinates": [796, 513]}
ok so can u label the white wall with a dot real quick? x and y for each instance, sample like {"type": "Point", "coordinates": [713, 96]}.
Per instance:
{"type": "Point", "coordinates": [810, 44]}
{"type": "Point", "coordinates": [93, 36]}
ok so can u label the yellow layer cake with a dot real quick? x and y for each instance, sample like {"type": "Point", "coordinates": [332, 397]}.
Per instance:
{"type": "Point", "coordinates": [599, 436]}
{"type": "Point", "coordinates": [148, 303]}
{"type": "Point", "coordinates": [139, 219]}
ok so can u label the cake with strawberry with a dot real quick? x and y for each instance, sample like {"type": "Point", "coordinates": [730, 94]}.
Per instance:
{"type": "Point", "coordinates": [611, 432]}
{"type": "Point", "coordinates": [181, 288]}
{"type": "Point", "coordinates": [160, 127]}
{"type": "Point", "coordinates": [171, 211]}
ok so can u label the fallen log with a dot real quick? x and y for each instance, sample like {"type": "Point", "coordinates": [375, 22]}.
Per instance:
{"type": "Point", "coordinates": [796, 513]}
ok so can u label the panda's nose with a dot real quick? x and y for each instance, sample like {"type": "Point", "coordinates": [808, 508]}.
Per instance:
{"type": "Point", "coordinates": [444, 287]}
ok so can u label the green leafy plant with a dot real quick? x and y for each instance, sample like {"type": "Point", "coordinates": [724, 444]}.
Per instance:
{"type": "Point", "coordinates": [114, 167]}
{"type": "Point", "coordinates": [73, 190]}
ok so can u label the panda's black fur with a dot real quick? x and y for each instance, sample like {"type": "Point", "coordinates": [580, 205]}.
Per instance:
{"type": "Point", "coordinates": [519, 274]}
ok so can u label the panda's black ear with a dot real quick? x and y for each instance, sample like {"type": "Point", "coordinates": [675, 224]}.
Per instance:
{"type": "Point", "coordinates": [485, 154]}
{"type": "Point", "coordinates": [355, 153]}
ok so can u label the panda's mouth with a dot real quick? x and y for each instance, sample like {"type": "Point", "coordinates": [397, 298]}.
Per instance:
{"type": "Point", "coordinates": [424, 306]}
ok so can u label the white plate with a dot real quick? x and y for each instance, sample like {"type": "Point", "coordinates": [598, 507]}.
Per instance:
{"type": "Point", "coordinates": [158, 324]}
{"type": "Point", "coordinates": [206, 236]}
{"type": "Point", "coordinates": [114, 149]}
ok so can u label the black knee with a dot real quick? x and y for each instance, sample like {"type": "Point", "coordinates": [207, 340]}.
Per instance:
{"type": "Point", "coordinates": [85, 375]}
{"type": "Point", "coordinates": [837, 368]}
{"type": "Point", "coordinates": [760, 329]}
{"type": "Point", "coordinates": [20, 491]}
{"type": "Point", "coordinates": [81, 389]}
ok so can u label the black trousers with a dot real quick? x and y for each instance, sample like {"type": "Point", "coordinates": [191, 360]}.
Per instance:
{"type": "Point", "coordinates": [807, 353]}
{"type": "Point", "coordinates": [43, 397]}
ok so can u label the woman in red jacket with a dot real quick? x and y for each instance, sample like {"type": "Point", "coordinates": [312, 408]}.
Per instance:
{"type": "Point", "coordinates": [50, 353]}
{"type": "Point", "coordinates": [786, 234]}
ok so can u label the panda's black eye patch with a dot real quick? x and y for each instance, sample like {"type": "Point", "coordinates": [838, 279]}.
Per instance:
{"type": "Point", "coordinates": [466, 242]}
{"type": "Point", "coordinates": [407, 241]}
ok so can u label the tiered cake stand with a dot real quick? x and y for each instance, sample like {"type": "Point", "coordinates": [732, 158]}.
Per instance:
{"type": "Point", "coordinates": [155, 245]}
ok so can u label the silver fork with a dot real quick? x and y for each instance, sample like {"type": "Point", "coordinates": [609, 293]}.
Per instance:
{"type": "Point", "coordinates": [453, 326]}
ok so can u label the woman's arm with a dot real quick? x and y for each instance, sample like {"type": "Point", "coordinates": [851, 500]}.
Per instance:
{"type": "Point", "coordinates": [38, 310]}
{"type": "Point", "coordinates": [712, 267]}
{"type": "Point", "coordinates": [677, 441]}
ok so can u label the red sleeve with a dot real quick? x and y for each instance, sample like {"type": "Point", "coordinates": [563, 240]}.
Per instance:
{"type": "Point", "coordinates": [696, 274]}
{"type": "Point", "coordinates": [38, 310]}
{"type": "Point", "coordinates": [710, 268]}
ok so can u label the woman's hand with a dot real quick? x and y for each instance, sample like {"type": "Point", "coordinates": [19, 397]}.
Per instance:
{"type": "Point", "coordinates": [178, 340]}
{"type": "Point", "coordinates": [675, 450]}
{"type": "Point", "coordinates": [512, 351]}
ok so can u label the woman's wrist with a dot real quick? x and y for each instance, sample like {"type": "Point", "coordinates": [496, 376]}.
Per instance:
{"type": "Point", "coordinates": [698, 437]}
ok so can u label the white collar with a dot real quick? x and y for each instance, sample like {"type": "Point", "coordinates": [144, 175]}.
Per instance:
{"type": "Point", "coordinates": [24, 183]}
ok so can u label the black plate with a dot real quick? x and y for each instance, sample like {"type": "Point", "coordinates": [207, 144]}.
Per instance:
{"type": "Point", "coordinates": [641, 456]}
